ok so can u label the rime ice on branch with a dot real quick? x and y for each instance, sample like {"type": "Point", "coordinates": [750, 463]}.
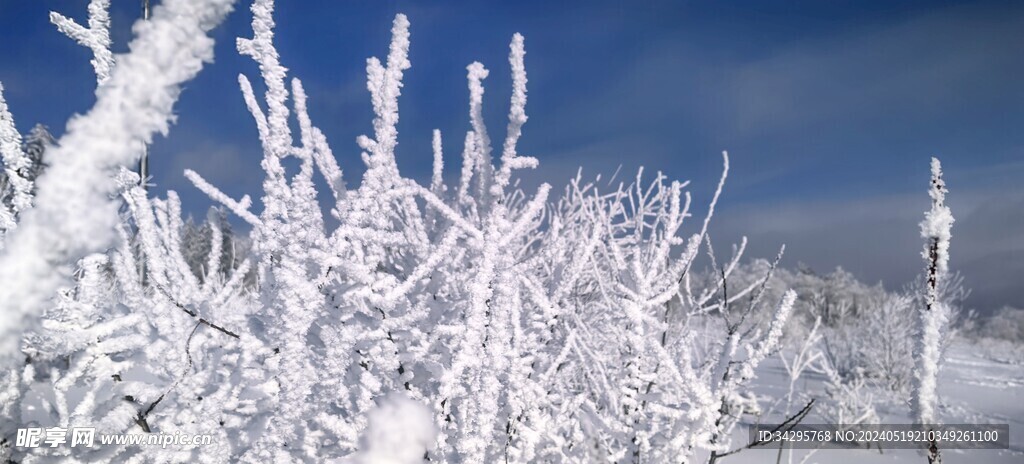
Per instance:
{"type": "Point", "coordinates": [96, 37]}
{"type": "Point", "coordinates": [934, 315]}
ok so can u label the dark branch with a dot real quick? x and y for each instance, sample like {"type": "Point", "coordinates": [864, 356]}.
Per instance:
{"type": "Point", "coordinates": [786, 426]}
{"type": "Point", "coordinates": [195, 314]}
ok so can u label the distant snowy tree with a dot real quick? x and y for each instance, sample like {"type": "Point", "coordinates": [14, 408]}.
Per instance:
{"type": "Point", "coordinates": [888, 340]}
{"type": "Point", "coordinates": [197, 244]}
{"type": "Point", "coordinates": [37, 141]}
{"type": "Point", "coordinates": [33, 147]}
{"type": "Point", "coordinates": [847, 401]}
{"type": "Point", "coordinates": [16, 181]}
{"type": "Point", "coordinates": [1006, 324]}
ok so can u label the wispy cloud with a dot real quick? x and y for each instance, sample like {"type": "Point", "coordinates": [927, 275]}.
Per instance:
{"type": "Point", "coordinates": [933, 66]}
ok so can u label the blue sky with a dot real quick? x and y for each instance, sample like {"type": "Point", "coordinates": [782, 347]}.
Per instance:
{"type": "Point", "coordinates": [830, 110]}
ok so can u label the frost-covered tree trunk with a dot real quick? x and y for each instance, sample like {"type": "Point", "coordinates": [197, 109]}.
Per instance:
{"type": "Point", "coordinates": [934, 315]}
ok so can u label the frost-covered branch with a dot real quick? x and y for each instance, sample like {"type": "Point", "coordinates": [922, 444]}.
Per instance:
{"type": "Point", "coordinates": [240, 207]}
{"type": "Point", "coordinates": [516, 118]}
{"type": "Point", "coordinates": [934, 315]}
{"type": "Point", "coordinates": [96, 37]}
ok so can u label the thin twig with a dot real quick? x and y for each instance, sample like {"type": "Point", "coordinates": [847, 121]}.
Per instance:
{"type": "Point", "coordinates": [141, 418]}
{"type": "Point", "coordinates": [786, 426]}
{"type": "Point", "coordinates": [195, 314]}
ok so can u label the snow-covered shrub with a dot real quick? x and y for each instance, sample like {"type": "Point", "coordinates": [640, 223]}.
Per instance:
{"type": "Point", "coordinates": [529, 329]}
{"type": "Point", "coordinates": [804, 356]}
{"type": "Point", "coordinates": [72, 215]}
{"type": "Point", "coordinates": [868, 330]}
{"type": "Point", "coordinates": [678, 380]}
{"type": "Point", "coordinates": [1006, 324]}
{"type": "Point", "coordinates": [836, 295]}
{"type": "Point", "coordinates": [875, 343]}
{"type": "Point", "coordinates": [488, 304]}
{"type": "Point", "coordinates": [848, 401]}
{"type": "Point", "coordinates": [1000, 350]}
{"type": "Point", "coordinates": [127, 352]}
{"type": "Point", "coordinates": [887, 354]}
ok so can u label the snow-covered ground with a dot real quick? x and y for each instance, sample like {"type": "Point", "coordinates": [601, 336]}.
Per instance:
{"type": "Point", "coordinates": [977, 385]}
